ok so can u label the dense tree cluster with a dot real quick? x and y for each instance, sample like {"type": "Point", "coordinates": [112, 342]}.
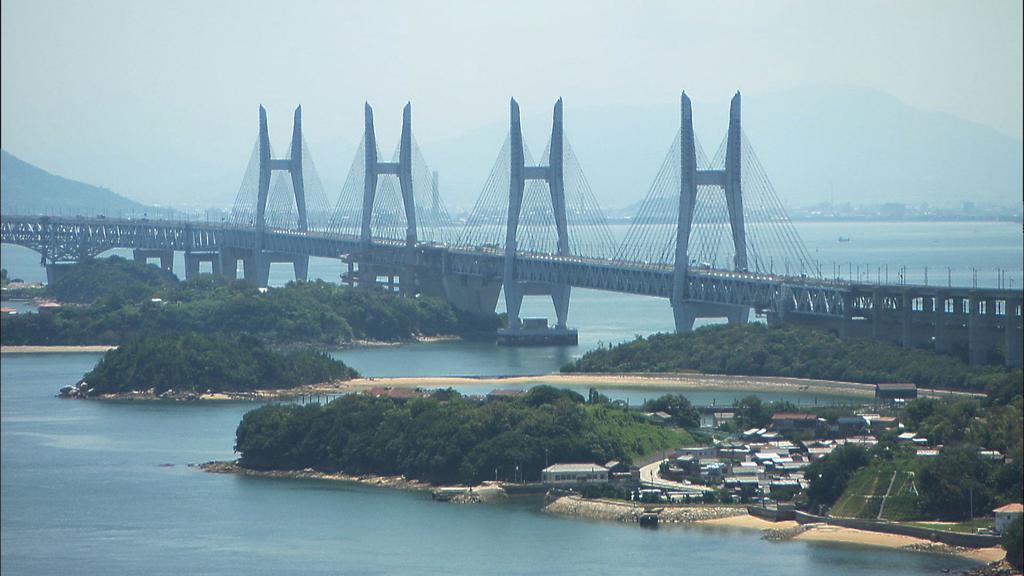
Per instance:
{"type": "Point", "coordinates": [114, 277]}
{"type": "Point", "coordinates": [301, 312]}
{"type": "Point", "coordinates": [194, 363]}
{"type": "Point", "coordinates": [759, 350]}
{"type": "Point", "coordinates": [447, 438]}
{"type": "Point", "coordinates": [678, 406]}
{"type": "Point", "coordinates": [951, 486]}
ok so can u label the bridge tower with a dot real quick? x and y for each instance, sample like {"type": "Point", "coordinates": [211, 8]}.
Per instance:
{"type": "Point", "coordinates": [731, 183]}
{"type": "Point", "coordinates": [257, 264]}
{"type": "Point", "coordinates": [403, 170]}
{"type": "Point", "coordinates": [553, 174]}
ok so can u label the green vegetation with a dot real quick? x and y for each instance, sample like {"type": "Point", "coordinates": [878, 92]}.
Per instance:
{"type": "Point", "coordinates": [122, 309]}
{"type": "Point", "coordinates": [759, 350]}
{"type": "Point", "coordinates": [447, 438]}
{"type": "Point", "coordinates": [966, 527]}
{"type": "Point", "coordinates": [678, 406]}
{"type": "Point", "coordinates": [866, 490]}
{"type": "Point", "coordinates": [194, 363]}
{"type": "Point", "coordinates": [1013, 541]}
{"type": "Point", "coordinates": [958, 484]}
{"type": "Point", "coordinates": [829, 476]}
{"type": "Point", "coordinates": [112, 278]}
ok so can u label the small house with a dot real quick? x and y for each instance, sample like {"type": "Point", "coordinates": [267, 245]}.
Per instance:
{"type": "Point", "coordinates": [792, 421]}
{"type": "Point", "coordinates": [574, 474]}
{"type": "Point", "coordinates": [1007, 514]}
{"type": "Point", "coordinates": [893, 392]}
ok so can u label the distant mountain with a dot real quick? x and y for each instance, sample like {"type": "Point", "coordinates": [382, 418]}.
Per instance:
{"type": "Point", "coordinates": [862, 145]}
{"type": "Point", "coordinates": [27, 189]}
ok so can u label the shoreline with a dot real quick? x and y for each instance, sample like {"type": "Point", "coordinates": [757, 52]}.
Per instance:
{"type": "Point", "coordinates": [711, 516]}
{"type": "Point", "coordinates": [396, 482]}
{"type": "Point", "coordinates": [56, 349]}
{"type": "Point", "coordinates": [642, 380]}
{"type": "Point", "coordinates": [638, 381]}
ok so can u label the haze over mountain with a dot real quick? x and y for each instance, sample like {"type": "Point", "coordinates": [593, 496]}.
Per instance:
{"type": "Point", "coordinates": [861, 144]}
{"type": "Point", "coordinates": [27, 189]}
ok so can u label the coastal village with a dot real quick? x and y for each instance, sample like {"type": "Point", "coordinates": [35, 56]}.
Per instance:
{"type": "Point", "coordinates": [755, 471]}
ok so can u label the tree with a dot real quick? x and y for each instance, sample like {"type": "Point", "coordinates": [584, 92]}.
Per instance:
{"type": "Point", "coordinates": [1012, 542]}
{"type": "Point", "coordinates": [752, 413]}
{"type": "Point", "coordinates": [829, 475]}
{"type": "Point", "coordinates": [678, 406]}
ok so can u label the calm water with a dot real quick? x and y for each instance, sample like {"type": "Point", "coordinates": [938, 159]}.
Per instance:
{"type": "Point", "coordinates": [86, 490]}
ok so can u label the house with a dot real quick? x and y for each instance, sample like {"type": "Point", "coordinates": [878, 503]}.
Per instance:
{"type": "Point", "coordinates": [49, 308]}
{"type": "Point", "coordinates": [697, 451]}
{"type": "Point", "coordinates": [505, 394]}
{"type": "Point", "coordinates": [574, 474]}
{"type": "Point", "coordinates": [880, 423]}
{"type": "Point", "coordinates": [792, 421]}
{"type": "Point", "coordinates": [1007, 514]}
{"type": "Point", "coordinates": [850, 426]}
{"type": "Point", "coordinates": [6, 311]}
{"type": "Point", "coordinates": [783, 489]}
{"type": "Point", "coordinates": [894, 392]}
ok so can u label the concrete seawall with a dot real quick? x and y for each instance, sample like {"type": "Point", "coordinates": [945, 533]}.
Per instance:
{"type": "Point", "coordinates": [945, 537]}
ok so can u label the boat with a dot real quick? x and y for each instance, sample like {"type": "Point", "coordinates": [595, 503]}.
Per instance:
{"type": "Point", "coordinates": [844, 239]}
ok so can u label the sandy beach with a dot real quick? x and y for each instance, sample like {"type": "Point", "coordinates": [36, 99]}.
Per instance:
{"type": "Point", "coordinates": [53, 349]}
{"type": "Point", "coordinates": [748, 521]}
{"type": "Point", "coordinates": [825, 533]}
{"type": "Point", "coordinates": [675, 381]}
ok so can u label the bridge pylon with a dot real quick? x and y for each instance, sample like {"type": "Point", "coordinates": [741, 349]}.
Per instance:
{"type": "Point", "coordinates": [374, 168]}
{"type": "Point", "coordinates": [257, 265]}
{"type": "Point", "coordinates": [730, 180]}
{"type": "Point", "coordinates": [553, 174]}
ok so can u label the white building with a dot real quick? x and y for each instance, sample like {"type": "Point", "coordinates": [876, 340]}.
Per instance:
{"type": "Point", "coordinates": [1007, 514]}
{"type": "Point", "coordinates": [574, 474]}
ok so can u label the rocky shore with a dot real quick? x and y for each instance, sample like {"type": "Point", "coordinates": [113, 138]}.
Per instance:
{"type": "Point", "coordinates": [398, 482]}
{"type": "Point", "coordinates": [628, 512]}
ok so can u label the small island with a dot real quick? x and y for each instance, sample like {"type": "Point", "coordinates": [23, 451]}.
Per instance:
{"type": "Point", "coordinates": [192, 366]}
{"type": "Point", "coordinates": [443, 437]}
{"type": "Point", "coordinates": [111, 301]}
{"type": "Point", "coordinates": [793, 351]}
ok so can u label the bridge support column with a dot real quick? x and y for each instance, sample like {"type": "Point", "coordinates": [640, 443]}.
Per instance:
{"type": "Point", "coordinates": [193, 260]}
{"type": "Point", "coordinates": [301, 266]}
{"type": "Point", "coordinates": [1014, 349]}
{"type": "Point", "coordinates": [686, 313]}
{"type": "Point", "coordinates": [975, 346]}
{"type": "Point", "coordinates": [906, 320]}
{"type": "Point", "coordinates": [55, 271]}
{"type": "Point", "coordinates": [166, 257]}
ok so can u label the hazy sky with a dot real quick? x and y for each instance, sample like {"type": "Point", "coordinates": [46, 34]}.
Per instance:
{"type": "Point", "coordinates": [171, 87]}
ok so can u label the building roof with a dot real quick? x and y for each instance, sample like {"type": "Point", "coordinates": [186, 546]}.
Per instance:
{"type": "Point", "coordinates": [506, 393]}
{"type": "Point", "coordinates": [1014, 507]}
{"type": "Point", "coordinates": [562, 468]}
{"type": "Point", "coordinates": [894, 387]}
{"type": "Point", "coordinates": [793, 416]}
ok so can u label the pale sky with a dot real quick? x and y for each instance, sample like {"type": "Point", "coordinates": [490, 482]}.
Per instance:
{"type": "Point", "coordinates": [173, 86]}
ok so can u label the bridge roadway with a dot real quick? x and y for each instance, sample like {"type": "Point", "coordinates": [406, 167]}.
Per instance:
{"type": "Point", "coordinates": [981, 321]}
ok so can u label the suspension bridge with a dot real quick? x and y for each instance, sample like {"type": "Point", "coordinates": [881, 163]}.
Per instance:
{"type": "Point", "coordinates": [711, 236]}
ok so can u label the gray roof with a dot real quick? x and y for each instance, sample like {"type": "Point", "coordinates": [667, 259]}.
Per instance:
{"type": "Point", "coordinates": [575, 467]}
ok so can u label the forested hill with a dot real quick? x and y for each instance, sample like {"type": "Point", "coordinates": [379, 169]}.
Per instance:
{"type": "Point", "coordinates": [27, 189]}
{"type": "Point", "coordinates": [194, 363]}
{"type": "Point", "coordinates": [447, 438]}
{"type": "Point", "coordinates": [126, 300]}
{"type": "Point", "coordinates": [757, 350]}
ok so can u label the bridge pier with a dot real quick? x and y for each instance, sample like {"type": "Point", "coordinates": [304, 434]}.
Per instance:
{"type": "Point", "coordinates": [166, 257]}
{"type": "Point", "coordinates": [194, 259]}
{"type": "Point", "coordinates": [686, 313]}
{"type": "Point", "coordinates": [1014, 350]}
{"type": "Point", "coordinates": [56, 270]}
